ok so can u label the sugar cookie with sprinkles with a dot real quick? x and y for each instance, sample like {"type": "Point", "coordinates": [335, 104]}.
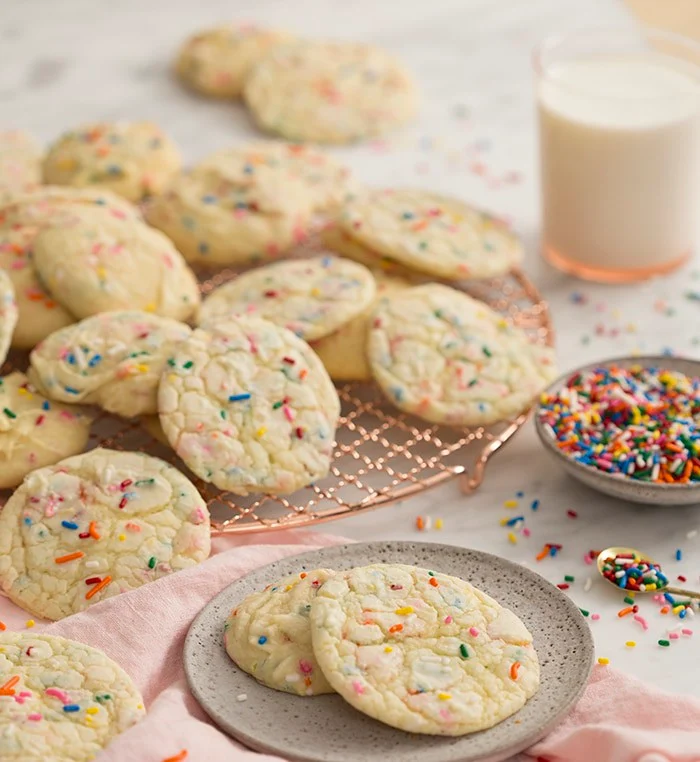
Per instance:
{"type": "Point", "coordinates": [113, 359]}
{"type": "Point", "coordinates": [436, 235]}
{"type": "Point", "coordinates": [94, 262]}
{"type": "Point", "coordinates": [327, 181]}
{"type": "Point", "coordinates": [422, 651]}
{"type": "Point", "coordinates": [311, 297]}
{"type": "Point", "coordinates": [330, 92]}
{"type": "Point", "coordinates": [217, 218]}
{"type": "Point", "coordinates": [133, 159]}
{"type": "Point", "coordinates": [20, 163]}
{"type": "Point", "coordinates": [216, 61]}
{"type": "Point", "coordinates": [268, 635]}
{"type": "Point", "coordinates": [248, 406]}
{"type": "Point", "coordinates": [448, 358]}
{"type": "Point", "coordinates": [64, 700]}
{"type": "Point", "coordinates": [8, 314]}
{"type": "Point", "coordinates": [96, 525]}
{"type": "Point", "coordinates": [34, 431]}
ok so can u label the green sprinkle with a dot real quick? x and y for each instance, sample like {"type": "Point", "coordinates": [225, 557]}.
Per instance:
{"type": "Point", "coordinates": [144, 482]}
{"type": "Point", "coordinates": [423, 245]}
{"type": "Point", "coordinates": [486, 351]}
{"type": "Point", "coordinates": [9, 413]}
{"type": "Point", "coordinates": [584, 612]}
{"type": "Point", "coordinates": [664, 643]}
{"type": "Point", "coordinates": [171, 362]}
{"type": "Point", "coordinates": [277, 405]}
{"type": "Point", "coordinates": [463, 651]}
{"type": "Point", "coordinates": [152, 562]}
{"type": "Point", "coordinates": [188, 364]}
{"type": "Point", "coordinates": [102, 697]}
{"type": "Point", "coordinates": [568, 578]}
{"type": "Point", "coordinates": [629, 600]}
{"type": "Point", "coordinates": [222, 413]}
{"type": "Point", "coordinates": [431, 574]}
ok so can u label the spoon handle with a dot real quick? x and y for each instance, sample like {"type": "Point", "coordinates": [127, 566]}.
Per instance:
{"type": "Point", "coordinates": [680, 591]}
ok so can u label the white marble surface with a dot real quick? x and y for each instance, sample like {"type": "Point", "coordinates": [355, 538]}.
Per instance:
{"type": "Point", "coordinates": [69, 61]}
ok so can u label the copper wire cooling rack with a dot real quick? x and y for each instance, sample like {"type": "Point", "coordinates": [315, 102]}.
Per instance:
{"type": "Point", "coordinates": [381, 455]}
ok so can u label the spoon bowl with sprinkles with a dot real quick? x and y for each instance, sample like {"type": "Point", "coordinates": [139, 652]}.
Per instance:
{"type": "Point", "coordinates": [628, 427]}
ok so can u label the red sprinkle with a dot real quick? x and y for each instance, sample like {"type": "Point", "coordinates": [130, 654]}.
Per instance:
{"type": "Point", "coordinates": [299, 432]}
{"type": "Point", "coordinates": [289, 360]}
{"type": "Point", "coordinates": [40, 420]}
{"type": "Point", "coordinates": [123, 502]}
{"type": "Point", "coordinates": [563, 586]}
{"type": "Point", "coordinates": [572, 514]}
{"type": "Point", "coordinates": [681, 578]}
{"type": "Point", "coordinates": [126, 483]}
{"type": "Point", "coordinates": [270, 294]}
{"type": "Point", "coordinates": [92, 580]}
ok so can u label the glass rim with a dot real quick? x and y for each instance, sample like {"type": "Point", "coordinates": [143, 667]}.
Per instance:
{"type": "Point", "coordinates": [554, 41]}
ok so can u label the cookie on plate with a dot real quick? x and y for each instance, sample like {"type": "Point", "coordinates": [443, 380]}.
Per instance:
{"type": "Point", "coordinates": [94, 262]}
{"type": "Point", "coordinates": [20, 163]}
{"type": "Point", "coordinates": [422, 651]}
{"type": "Point", "coordinates": [34, 431]}
{"type": "Point", "coordinates": [248, 406]}
{"type": "Point", "coordinates": [112, 359]}
{"type": "Point", "coordinates": [70, 700]}
{"type": "Point", "coordinates": [448, 358]}
{"type": "Point", "coordinates": [8, 314]}
{"type": "Point", "coordinates": [330, 92]}
{"type": "Point", "coordinates": [21, 219]}
{"type": "Point", "coordinates": [433, 234]}
{"type": "Point", "coordinates": [133, 159]}
{"type": "Point", "coordinates": [96, 525]}
{"type": "Point", "coordinates": [217, 218]}
{"type": "Point", "coordinates": [216, 61]}
{"type": "Point", "coordinates": [311, 297]}
{"type": "Point", "coordinates": [269, 637]}
{"type": "Point", "coordinates": [326, 180]}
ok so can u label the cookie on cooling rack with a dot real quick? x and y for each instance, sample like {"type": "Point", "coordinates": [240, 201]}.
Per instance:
{"type": "Point", "coordinates": [133, 159]}
{"type": "Point", "coordinates": [216, 61]}
{"type": "Point", "coordinates": [112, 359]}
{"type": "Point", "coordinates": [429, 233]}
{"type": "Point", "coordinates": [35, 432]}
{"type": "Point", "coordinates": [268, 635]}
{"type": "Point", "coordinates": [248, 406]}
{"type": "Point", "coordinates": [330, 92]}
{"type": "Point", "coordinates": [448, 358]}
{"type": "Point", "coordinates": [20, 163]}
{"type": "Point", "coordinates": [92, 261]}
{"type": "Point", "coordinates": [98, 524]}
{"type": "Point", "coordinates": [70, 700]}
{"type": "Point", "coordinates": [422, 651]}
{"type": "Point", "coordinates": [8, 314]}
{"type": "Point", "coordinates": [311, 297]}
{"type": "Point", "coordinates": [216, 216]}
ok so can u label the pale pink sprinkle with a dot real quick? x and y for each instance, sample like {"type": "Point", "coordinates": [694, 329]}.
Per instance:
{"type": "Point", "coordinates": [240, 213]}
{"type": "Point", "coordinates": [132, 527]}
{"type": "Point", "coordinates": [197, 516]}
{"type": "Point", "coordinates": [168, 260]}
{"type": "Point", "coordinates": [473, 631]}
{"type": "Point", "coordinates": [358, 687]}
{"type": "Point", "coordinates": [448, 619]}
{"type": "Point", "coordinates": [59, 694]}
{"type": "Point", "coordinates": [595, 617]}
{"type": "Point", "coordinates": [587, 559]}
{"type": "Point", "coordinates": [642, 621]}
{"type": "Point", "coordinates": [66, 415]}
{"type": "Point", "coordinates": [50, 510]}
{"type": "Point", "coordinates": [36, 717]}
{"type": "Point", "coordinates": [686, 631]}
{"type": "Point", "coordinates": [305, 667]}
{"type": "Point", "coordinates": [288, 414]}
{"type": "Point", "coordinates": [526, 532]}
{"type": "Point", "coordinates": [673, 635]}
{"type": "Point", "coordinates": [18, 264]}
{"type": "Point", "coordinates": [63, 353]}
{"type": "Point", "coordinates": [445, 714]}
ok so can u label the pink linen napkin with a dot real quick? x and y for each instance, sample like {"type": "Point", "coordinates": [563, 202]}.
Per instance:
{"type": "Point", "coordinates": [619, 719]}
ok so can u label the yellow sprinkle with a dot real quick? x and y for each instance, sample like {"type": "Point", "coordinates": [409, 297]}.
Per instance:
{"type": "Point", "coordinates": [172, 377]}
{"type": "Point", "coordinates": [510, 504]}
{"type": "Point", "coordinates": [92, 710]}
{"type": "Point", "coordinates": [24, 392]}
{"type": "Point", "coordinates": [502, 323]}
{"type": "Point", "coordinates": [512, 539]}
{"type": "Point", "coordinates": [444, 696]}
{"type": "Point", "coordinates": [150, 307]}
{"type": "Point", "coordinates": [122, 537]}
{"type": "Point", "coordinates": [101, 273]}
{"type": "Point", "coordinates": [315, 292]}
{"type": "Point", "coordinates": [88, 720]}
{"type": "Point", "coordinates": [603, 661]}
{"type": "Point", "coordinates": [30, 623]}
{"type": "Point", "coordinates": [260, 432]}
{"type": "Point", "coordinates": [630, 644]}
{"type": "Point", "coordinates": [438, 523]}
{"type": "Point", "coordinates": [65, 163]}
{"type": "Point", "coordinates": [504, 521]}
{"type": "Point", "coordinates": [288, 588]}
{"type": "Point", "coordinates": [139, 706]}
{"type": "Point", "coordinates": [142, 368]}
{"type": "Point", "coordinates": [404, 610]}
{"type": "Point", "coordinates": [388, 649]}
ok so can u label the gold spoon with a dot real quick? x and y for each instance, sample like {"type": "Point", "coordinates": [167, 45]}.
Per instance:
{"type": "Point", "coordinates": [611, 553]}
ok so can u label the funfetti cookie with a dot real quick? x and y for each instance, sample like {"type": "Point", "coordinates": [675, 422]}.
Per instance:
{"type": "Point", "coordinates": [133, 159]}
{"type": "Point", "coordinates": [448, 358]}
{"type": "Point", "coordinates": [248, 406]}
{"type": "Point", "coordinates": [269, 637]}
{"type": "Point", "coordinates": [63, 700]}
{"type": "Point", "coordinates": [20, 163]}
{"type": "Point", "coordinates": [311, 297]}
{"type": "Point", "coordinates": [96, 525]}
{"type": "Point", "coordinates": [215, 217]}
{"type": "Point", "coordinates": [330, 92]}
{"type": "Point", "coordinates": [34, 431]}
{"type": "Point", "coordinates": [93, 262]}
{"type": "Point", "coordinates": [113, 359]}
{"type": "Point", "coordinates": [326, 180]}
{"type": "Point", "coordinates": [8, 314]}
{"type": "Point", "coordinates": [216, 61]}
{"type": "Point", "coordinates": [422, 651]}
{"type": "Point", "coordinates": [433, 234]}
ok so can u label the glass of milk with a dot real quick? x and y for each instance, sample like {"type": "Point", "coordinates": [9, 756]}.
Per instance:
{"type": "Point", "coordinates": [619, 119]}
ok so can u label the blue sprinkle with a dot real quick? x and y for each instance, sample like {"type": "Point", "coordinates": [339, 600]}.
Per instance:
{"type": "Point", "coordinates": [71, 390]}
{"type": "Point", "coordinates": [326, 261]}
{"type": "Point", "coordinates": [209, 199]}
{"type": "Point", "coordinates": [45, 405]}
{"type": "Point", "coordinates": [114, 169]}
{"type": "Point", "coordinates": [203, 248]}
{"type": "Point", "coordinates": [262, 640]}
{"type": "Point", "coordinates": [682, 614]}
{"type": "Point", "coordinates": [407, 215]}
{"type": "Point", "coordinates": [69, 524]}
{"type": "Point", "coordinates": [679, 554]}
{"type": "Point", "coordinates": [397, 391]}
{"type": "Point", "coordinates": [514, 521]}
{"type": "Point", "coordinates": [248, 170]}
{"type": "Point", "coordinates": [27, 521]}
{"type": "Point", "coordinates": [241, 205]}
{"type": "Point", "coordinates": [535, 505]}
{"type": "Point", "coordinates": [552, 552]}
{"type": "Point", "coordinates": [71, 359]}
{"type": "Point", "coordinates": [519, 493]}
{"type": "Point", "coordinates": [622, 581]}
{"type": "Point", "coordinates": [239, 397]}
{"type": "Point", "coordinates": [71, 708]}
{"type": "Point", "coordinates": [94, 360]}
{"type": "Point", "coordinates": [669, 599]}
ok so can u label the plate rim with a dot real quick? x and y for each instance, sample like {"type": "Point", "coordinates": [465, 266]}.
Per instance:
{"type": "Point", "coordinates": [405, 545]}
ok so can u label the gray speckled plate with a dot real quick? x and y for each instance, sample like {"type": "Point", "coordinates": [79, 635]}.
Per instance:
{"type": "Point", "coordinates": [326, 729]}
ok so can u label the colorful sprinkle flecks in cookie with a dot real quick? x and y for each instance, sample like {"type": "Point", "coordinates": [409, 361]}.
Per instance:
{"type": "Point", "coordinates": [636, 422]}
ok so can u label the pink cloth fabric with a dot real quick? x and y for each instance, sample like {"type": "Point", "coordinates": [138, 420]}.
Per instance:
{"type": "Point", "coordinates": [618, 719]}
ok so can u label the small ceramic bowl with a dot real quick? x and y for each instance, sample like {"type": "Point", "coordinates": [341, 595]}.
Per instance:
{"type": "Point", "coordinates": [651, 493]}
